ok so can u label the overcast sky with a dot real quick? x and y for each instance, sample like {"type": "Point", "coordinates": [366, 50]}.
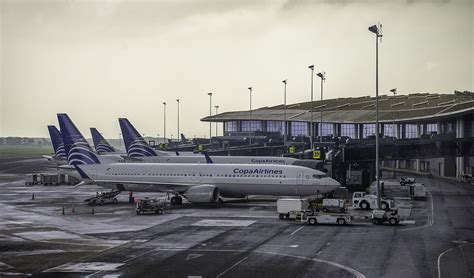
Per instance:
{"type": "Point", "coordinates": [101, 60]}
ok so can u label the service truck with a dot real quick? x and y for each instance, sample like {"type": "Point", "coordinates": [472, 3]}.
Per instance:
{"type": "Point", "coordinates": [418, 191]}
{"type": "Point", "coordinates": [287, 208]}
{"type": "Point", "coordinates": [361, 200]}
{"type": "Point", "coordinates": [314, 218]}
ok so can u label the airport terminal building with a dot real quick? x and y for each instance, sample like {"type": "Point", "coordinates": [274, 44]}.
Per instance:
{"type": "Point", "coordinates": [431, 132]}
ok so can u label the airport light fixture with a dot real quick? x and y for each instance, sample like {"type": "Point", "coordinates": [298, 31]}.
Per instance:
{"type": "Point", "coordinates": [322, 75]}
{"type": "Point", "coordinates": [177, 100]}
{"type": "Point", "coordinates": [394, 91]}
{"type": "Point", "coordinates": [217, 108]}
{"type": "Point", "coordinates": [210, 114]}
{"type": "Point", "coordinates": [284, 103]}
{"type": "Point", "coordinates": [376, 29]}
{"type": "Point", "coordinates": [164, 122]}
{"type": "Point", "coordinates": [311, 108]}
{"type": "Point", "coordinates": [250, 115]}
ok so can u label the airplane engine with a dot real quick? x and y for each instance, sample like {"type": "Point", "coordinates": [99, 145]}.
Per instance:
{"type": "Point", "coordinates": [205, 193]}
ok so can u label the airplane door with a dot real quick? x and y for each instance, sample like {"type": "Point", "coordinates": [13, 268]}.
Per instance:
{"type": "Point", "coordinates": [299, 181]}
{"type": "Point", "coordinates": [299, 178]}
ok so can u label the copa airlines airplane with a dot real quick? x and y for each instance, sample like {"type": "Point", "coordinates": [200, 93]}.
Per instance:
{"type": "Point", "coordinates": [139, 149]}
{"type": "Point", "coordinates": [59, 157]}
{"type": "Point", "coordinates": [204, 183]}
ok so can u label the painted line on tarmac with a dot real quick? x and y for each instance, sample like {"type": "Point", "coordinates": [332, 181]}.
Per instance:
{"type": "Point", "coordinates": [294, 232]}
{"type": "Point", "coordinates": [346, 268]}
{"type": "Point", "coordinates": [446, 251]}
{"type": "Point", "coordinates": [234, 265]}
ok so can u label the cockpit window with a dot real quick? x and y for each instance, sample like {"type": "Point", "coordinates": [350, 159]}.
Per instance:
{"type": "Point", "coordinates": [320, 176]}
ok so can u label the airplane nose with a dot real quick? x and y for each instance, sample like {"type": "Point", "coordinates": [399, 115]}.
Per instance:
{"type": "Point", "coordinates": [333, 184]}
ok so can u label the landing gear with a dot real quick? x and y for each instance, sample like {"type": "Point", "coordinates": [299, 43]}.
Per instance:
{"type": "Point", "coordinates": [176, 200]}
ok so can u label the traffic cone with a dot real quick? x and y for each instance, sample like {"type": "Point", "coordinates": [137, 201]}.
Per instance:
{"type": "Point", "coordinates": [73, 211]}
{"type": "Point", "coordinates": [63, 211]}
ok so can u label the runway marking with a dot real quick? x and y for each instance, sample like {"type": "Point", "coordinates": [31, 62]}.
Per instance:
{"type": "Point", "coordinates": [225, 223]}
{"type": "Point", "coordinates": [346, 268]}
{"type": "Point", "coordinates": [193, 256]}
{"type": "Point", "coordinates": [234, 265]}
{"type": "Point", "coordinates": [85, 267]}
{"type": "Point", "coordinates": [446, 251]}
{"type": "Point", "coordinates": [289, 246]}
{"type": "Point", "coordinates": [294, 232]}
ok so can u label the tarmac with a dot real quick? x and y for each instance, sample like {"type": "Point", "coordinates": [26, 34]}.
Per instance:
{"type": "Point", "coordinates": [242, 238]}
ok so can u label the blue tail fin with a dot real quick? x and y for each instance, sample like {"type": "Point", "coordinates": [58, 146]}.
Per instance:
{"type": "Point", "coordinates": [57, 142]}
{"type": "Point", "coordinates": [183, 138]}
{"type": "Point", "coordinates": [134, 143]}
{"type": "Point", "coordinates": [101, 145]}
{"type": "Point", "coordinates": [77, 149]}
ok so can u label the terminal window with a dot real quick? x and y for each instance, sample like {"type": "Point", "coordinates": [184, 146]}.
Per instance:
{"type": "Point", "coordinates": [431, 128]}
{"type": "Point", "coordinates": [389, 130]}
{"type": "Point", "coordinates": [327, 129]}
{"type": "Point", "coordinates": [410, 131]}
{"type": "Point", "coordinates": [275, 126]}
{"type": "Point", "coordinates": [348, 130]}
{"type": "Point", "coordinates": [231, 126]}
{"type": "Point", "coordinates": [251, 126]}
{"type": "Point", "coordinates": [299, 128]}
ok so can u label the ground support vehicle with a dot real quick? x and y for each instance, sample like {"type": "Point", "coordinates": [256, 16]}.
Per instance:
{"type": "Point", "coordinates": [361, 200]}
{"type": "Point", "coordinates": [102, 198]}
{"type": "Point", "coordinates": [147, 205]}
{"type": "Point", "coordinates": [287, 208]}
{"type": "Point", "coordinates": [406, 181]}
{"type": "Point", "coordinates": [334, 205]}
{"type": "Point", "coordinates": [314, 218]}
{"type": "Point", "coordinates": [418, 191]}
{"type": "Point", "coordinates": [381, 216]}
{"type": "Point", "coordinates": [33, 179]}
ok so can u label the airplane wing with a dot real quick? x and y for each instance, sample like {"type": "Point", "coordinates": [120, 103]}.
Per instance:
{"type": "Point", "coordinates": [153, 186]}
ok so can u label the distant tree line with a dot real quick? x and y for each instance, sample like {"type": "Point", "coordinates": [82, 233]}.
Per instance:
{"type": "Point", "coordinates": [24, 141]}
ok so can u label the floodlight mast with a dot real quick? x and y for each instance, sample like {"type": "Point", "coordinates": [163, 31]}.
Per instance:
{"type": "Point", "coordinates": [377, 31]}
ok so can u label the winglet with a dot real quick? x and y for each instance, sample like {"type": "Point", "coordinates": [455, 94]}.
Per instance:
{"type": "Point", "coordinates": [208, 158]}
{"type": "Point", "coordinates": [177, 153]}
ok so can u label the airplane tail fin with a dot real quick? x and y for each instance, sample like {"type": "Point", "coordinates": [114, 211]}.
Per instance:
{"type": "Point", "coordinates": [57, 142]}
{"type": "Point", "coordinates": [208, 158]}
{"type": "Point", "coordinates": [183, 138]}
{"type": "Point", "coordinates": [134, 143]}
{"type": "Point", "coordinates": [100, 143]}
{"type": "Point", "coordinates": [77, 149]}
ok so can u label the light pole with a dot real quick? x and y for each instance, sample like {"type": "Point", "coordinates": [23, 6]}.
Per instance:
{"type": "Point", "coordinates": [164, 122]}
{"type": "Point", "coordinates": [210, 114]}
{"type": "Point", "coordinates": [394, 91]}
{"type": "Point", "coordinates": [284, 103]}
{"type": "Point", "coordinates": [217, 107]}
{"type": "Point", "coordinates": [376, 30]}
{"type": "Point", "coordinates": [177, 100]}
{"type": "Point", "coordinates": [120, 140]}
{"type": "Point", "coordinates": [250, 115]}
{"type": "Point", "coordinates": [311, 109]}
{"type": "Point", "coordinates": [323, 77]}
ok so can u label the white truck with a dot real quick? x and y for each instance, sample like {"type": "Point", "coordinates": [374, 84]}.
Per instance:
{"type": "Point", "coordinates": [314, 218]}
{"type": "Point", "coordinates": [361, 200]}
{"type": "Point", "coordinates": [418, 191]}
{"type": "Point", "coordinates": [287, 208]}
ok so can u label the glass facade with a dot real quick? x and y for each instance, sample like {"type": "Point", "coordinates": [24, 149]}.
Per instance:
{"type": "Point", "coordinates": [431, 128]}
{"type": "Point", "coordinates": [276, 126]}
{"type": "Point", "coordinates": [411, 131]}
{"type": "Point", "coordinates": [230, 126]}
{"type": "Point", "coordinates": [327, 129]}
{"type": "Point", "coordinates": [348, 130]}
{"type": "Point", "coordinates": [251, 125]}
{"type": "Point", "coordinates": [299, 128]}
{"type": "Point", "coordinates": [389, 130]}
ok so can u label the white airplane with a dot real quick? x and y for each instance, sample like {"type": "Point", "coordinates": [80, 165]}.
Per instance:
{"type": "Point", "coordinates": [137, 148]}
{"type": "Point", "coordinates": [204, 183]}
